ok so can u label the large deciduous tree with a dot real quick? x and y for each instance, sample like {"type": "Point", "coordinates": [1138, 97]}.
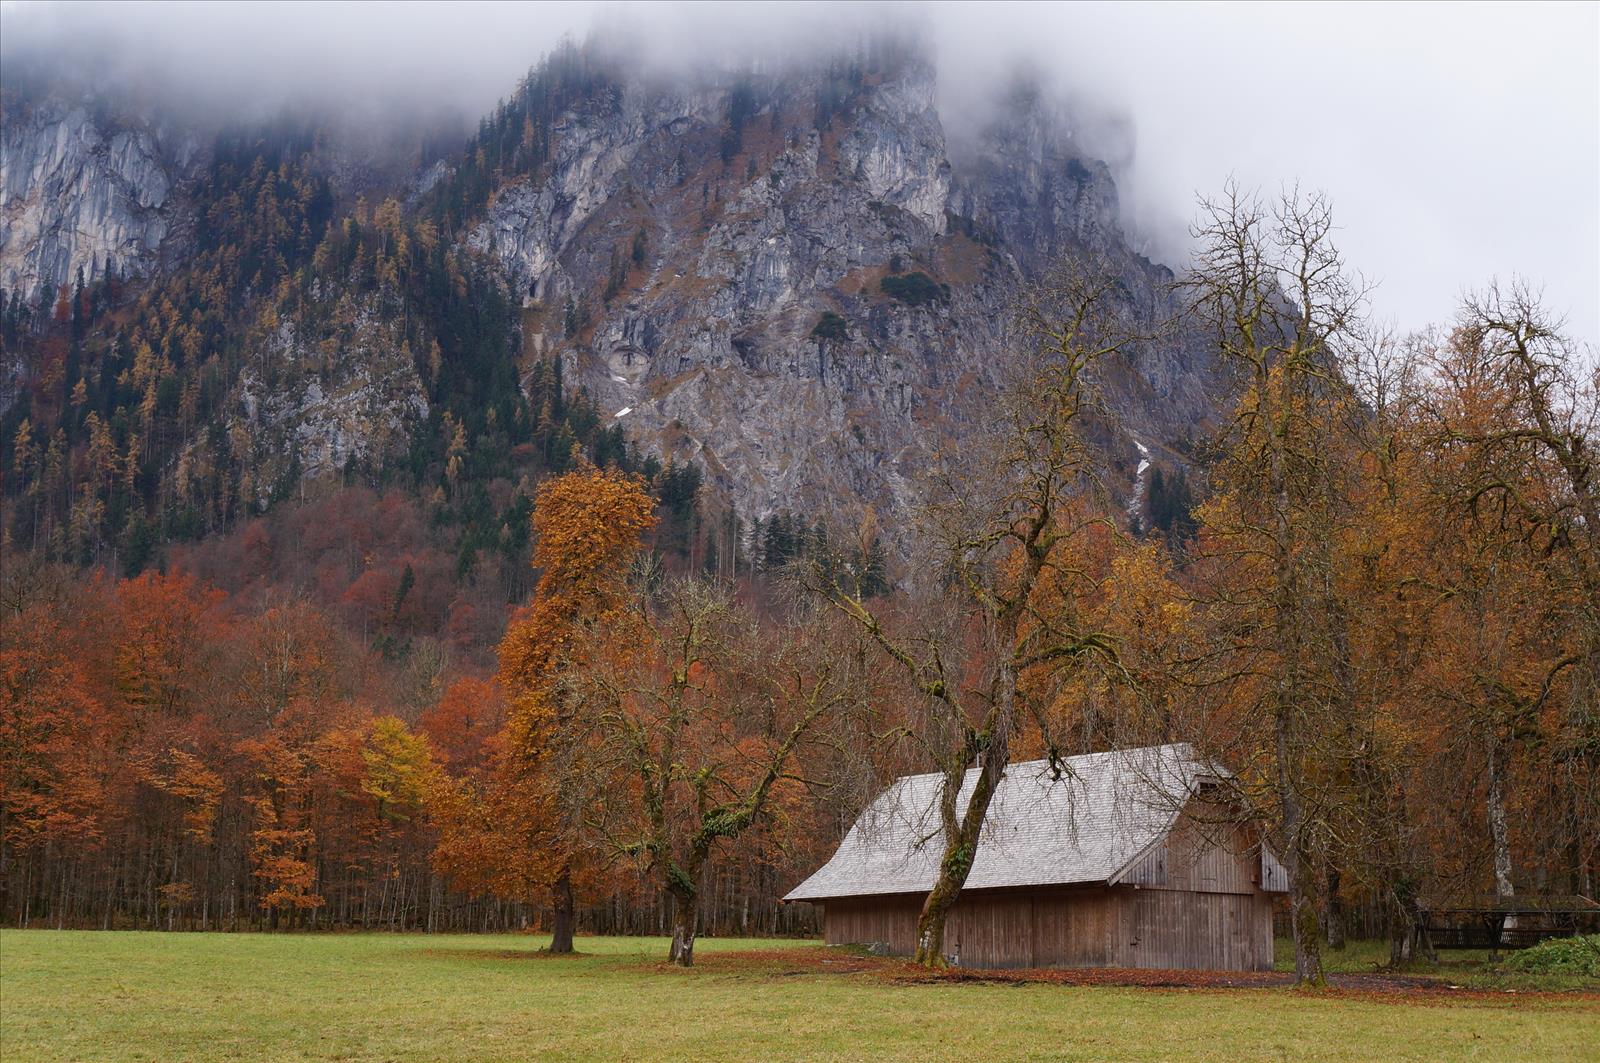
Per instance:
{"type": "Point", "coordinates": [514, 825]}
{"type": "Point", "coordinates": [996, 569]}
{"type": "Point", "coordinates": [1274, 291]}
{"type": "Point", "coordinates": [695, 712]}
{"type": "Point", "coordinates": [1510, 425]}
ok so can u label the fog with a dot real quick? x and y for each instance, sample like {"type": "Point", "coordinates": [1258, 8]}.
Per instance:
{"type": "Point", "coordinates": [1457, 143]}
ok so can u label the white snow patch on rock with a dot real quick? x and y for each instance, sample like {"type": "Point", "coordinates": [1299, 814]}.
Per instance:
{"type": "Point", "coordinates": [1136, 503]}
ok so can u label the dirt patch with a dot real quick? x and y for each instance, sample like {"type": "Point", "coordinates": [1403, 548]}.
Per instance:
{"type": "Point", "coordinates": [1393, 988]}
{"type": "Point", "coordinates": [503, 954]}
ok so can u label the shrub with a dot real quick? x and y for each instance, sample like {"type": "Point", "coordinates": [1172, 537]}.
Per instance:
{"type": "Point", "coordinates": [915, 289]}
{"type": "Point", "coordinates": [831, 326]}
{"type": "Point", "coordinates": [1578, 956]}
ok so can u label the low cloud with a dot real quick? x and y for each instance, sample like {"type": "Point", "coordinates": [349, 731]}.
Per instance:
{"type": "Point", "coordinates": [1456, 145]}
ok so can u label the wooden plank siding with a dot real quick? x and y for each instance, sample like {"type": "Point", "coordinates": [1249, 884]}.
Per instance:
{"type": "Point", "coordinates": [992, 928]}
{"type": "Point", "coordinates": [1116, 926]}
{"type": "Point", "coordinates": [1203, 853]}
{"type": "Point", "coordinates": [1197, 931]}
{"type": "Point", "coordinates": [1076, 928]}
{"type": "Point", "coordinates": [890, 921]}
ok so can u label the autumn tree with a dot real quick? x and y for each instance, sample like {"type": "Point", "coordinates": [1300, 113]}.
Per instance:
{"type": "Point", "coordinates": [588, 526]}
{"type": "Point", "coordinates": [1131, 594]}
{"type": "Point", "coordinates": [695, 712]}
{"type": "Point", "coordinates": [460, 725]}
{"type": "Point", "coordinates": [1380, 743]}
{"type": "Point", "coordinates": [49, 792]}
{"type": "Point", "coordinates": [1553, 420]}
{"type": "Point", "coordinates": [1510, 426]}
{"type": "Point", "coordinates": [1274, 291]}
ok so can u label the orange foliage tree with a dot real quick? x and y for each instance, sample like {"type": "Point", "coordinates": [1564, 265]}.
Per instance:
{"type": "Point", "coordinates": [50, 793]}
{"type": "Point", "coordinates": [509, 828]}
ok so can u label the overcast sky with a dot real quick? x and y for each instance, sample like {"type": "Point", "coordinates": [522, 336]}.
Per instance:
{"type": "Point", "coordinates": [1457, 142]}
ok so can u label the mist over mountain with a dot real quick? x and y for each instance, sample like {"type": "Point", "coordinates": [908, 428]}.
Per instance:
{"type": "Point", "coordinates": [1176, 100]}
{"type": "Point", "coordinates": [779, 252]}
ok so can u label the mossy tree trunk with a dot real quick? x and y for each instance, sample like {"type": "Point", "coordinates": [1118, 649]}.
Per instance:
{"type": "Point", "coordinates": [963, 832]}
{"type": "Point", "coordinates": [685, 926]}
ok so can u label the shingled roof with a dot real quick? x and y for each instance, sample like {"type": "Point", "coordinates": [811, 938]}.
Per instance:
{"type": "Point", "coordinates": [1085, 825]}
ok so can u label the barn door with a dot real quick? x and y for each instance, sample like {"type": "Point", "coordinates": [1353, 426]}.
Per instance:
{"type": "Point", "coordinates": [1178, 929]}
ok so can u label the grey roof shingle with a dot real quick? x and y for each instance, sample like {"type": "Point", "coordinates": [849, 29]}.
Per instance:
{"type": "Point", "coordinates": [1085, 826]}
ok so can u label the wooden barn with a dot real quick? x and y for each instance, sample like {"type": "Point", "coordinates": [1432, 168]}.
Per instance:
{"type": "Point", "coordinates": [1125, 859]}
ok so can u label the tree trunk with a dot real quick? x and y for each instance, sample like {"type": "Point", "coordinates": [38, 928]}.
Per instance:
{"type": "Point", "coordinates": [1498, 831]}
{"type": "Point", "coordinates": [561, 933]}
{"type": "Point", "coordinates": [1299, 863]}
{"type": "Point", "coordinates": [1500, 835]}
{"type": "Point", "coordinates": [961, 849]}
{"type": "Point", "coordinates": [1402, 937]}
{"type": "Point", "coordinates": [685, 922]}
{"type": "Point", "coordinates": [930, 924]}
{"type": "Point", "coordinates": [1304, 920]}
{"type": "Point", "coordinates": [1583, 882]}
{"type": "Point", "coordinates": [1335, 910]}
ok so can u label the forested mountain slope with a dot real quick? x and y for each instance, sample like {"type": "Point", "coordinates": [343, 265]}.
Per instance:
{"type": "Point", "coordinates": [793, 280]}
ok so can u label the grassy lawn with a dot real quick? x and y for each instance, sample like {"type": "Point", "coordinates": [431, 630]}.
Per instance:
{"type": "Point", "coordinates": [141, 996]}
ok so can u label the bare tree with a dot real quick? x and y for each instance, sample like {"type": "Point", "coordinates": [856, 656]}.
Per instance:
{"type": "Point", "coordinates": [996, 526]}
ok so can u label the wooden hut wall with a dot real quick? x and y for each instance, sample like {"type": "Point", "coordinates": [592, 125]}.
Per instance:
{"type": "Point", "coordinates": [1098, 927]}
{"type": "Point", "coordinates": [1037, 928]}
{"type": "Point", "coordinates": [1199, 902]}
{"type": "Point", "coordinates": [993, 928]}
{"type": "Point", "coordinates": [891, 921]}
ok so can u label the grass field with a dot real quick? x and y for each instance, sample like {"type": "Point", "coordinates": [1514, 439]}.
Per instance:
{"type": "Point", "coordinates": [141, 996]}
{"type": "Point", "coordinates": [1470, 968]}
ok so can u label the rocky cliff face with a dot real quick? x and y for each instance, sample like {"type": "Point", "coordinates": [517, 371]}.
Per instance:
{"type": "Point", "coordinates": [81, 192]}
{"type": "Point", "coordinates": [309, 409]}
{"type": "Point", "coordinates": [801, 280]}
{"type": "Point", "coordinates": [803, 295]}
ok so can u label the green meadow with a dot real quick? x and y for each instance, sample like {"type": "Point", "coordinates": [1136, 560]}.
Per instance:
{"type": "Point", "coordinates": [146, 996]}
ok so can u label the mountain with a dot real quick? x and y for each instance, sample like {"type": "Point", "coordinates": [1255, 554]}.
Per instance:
{"type": "Point", "coordinates": [796, 280]}
{"type": "Point", "coordinates": [81, 190]}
